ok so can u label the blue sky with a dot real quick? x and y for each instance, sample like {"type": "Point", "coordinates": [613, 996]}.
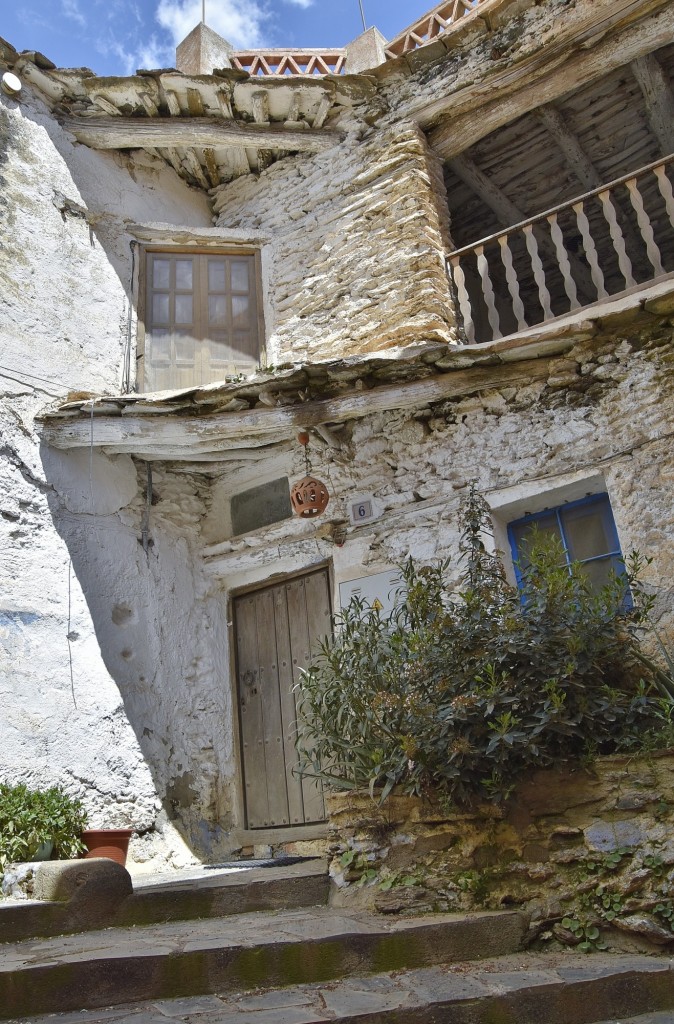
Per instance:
{"type": "Point", "coordinates": [114, 37]}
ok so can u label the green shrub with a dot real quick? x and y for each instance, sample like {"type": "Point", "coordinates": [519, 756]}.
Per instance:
{"type": "Point", "coordinates": [463, 688]}
{"type": "Point", "coordinates": [29, 818]}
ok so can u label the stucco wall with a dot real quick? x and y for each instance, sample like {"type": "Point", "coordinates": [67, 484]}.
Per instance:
{"type": "Point", "coordinates": [64, 287]}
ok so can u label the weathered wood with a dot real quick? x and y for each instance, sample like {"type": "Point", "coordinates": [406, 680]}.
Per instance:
{"type": "Point", "coordinates": [509, 213]}
{"type": "Point", "coordinates": [551, 72]}
{"type": "Point", "coordinates": [590, 250]}
{"type": "Point", "coordinates": [570, 147]}
{"type": "Point", "coordinates": [624, 261]}
{"type": "Point", "coordinates": [166, 133]}
{"type": "Point", "coordinates": [563, 261]}
{"type": "Point", "coordinates": [659, 99]}
{"type": "Point", "coordinates": [512, 282]}
{"type": "Point", "coordinates": [539, 273]}
{"type": "Point", "coordinates": [645, 226]}
{"type": "Point", "coordinates": [260, 103]}
{"type": "Point", "coordinates": [488, 292]}
{"type": "Point", "coordinates": [189, 436]}
{"type": "Point", "coordinates": [250, 709]}
{"type": "Point", "coordinates": [463, 298]}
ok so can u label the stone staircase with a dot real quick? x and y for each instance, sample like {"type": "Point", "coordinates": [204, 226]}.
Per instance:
{"type": "Point", "coordinates": [262, 947]}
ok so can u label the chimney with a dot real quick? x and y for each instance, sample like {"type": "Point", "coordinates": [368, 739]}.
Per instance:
{"type": "Point", "coordinates": [202, 51]}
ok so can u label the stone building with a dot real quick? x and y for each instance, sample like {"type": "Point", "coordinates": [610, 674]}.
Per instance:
{"type": "Point", "coordinates": [448, 258]}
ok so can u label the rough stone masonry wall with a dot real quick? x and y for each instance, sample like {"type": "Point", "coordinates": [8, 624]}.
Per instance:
{"type": "Point", "coordinates": [584, 850]}
{"type": "Point", "coordinates": [355, 246]}
{"type": "Point", "coordinates": [64, 277]}
{"type": "Point", "coordinates": [600, 417]}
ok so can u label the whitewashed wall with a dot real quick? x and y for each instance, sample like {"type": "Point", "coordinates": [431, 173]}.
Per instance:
{"type": "Point", "coordinates": [64, 283]}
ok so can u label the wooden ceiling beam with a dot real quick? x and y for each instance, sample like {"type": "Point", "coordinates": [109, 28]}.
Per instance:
{"type": "Point", "coordinates": [659, 100]}
{"type": "Point", "coordinates": [473, 113]}
{"type": "Point", "coordinates": [189, 132]}
{"type": "Point", "coordinates": [580, 164]}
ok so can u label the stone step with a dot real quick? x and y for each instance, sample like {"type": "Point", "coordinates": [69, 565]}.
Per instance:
{"type": "Point", "coordinates": [564, 988]}
{"type": "Point", "coordinates": [87, 895]}
{"type": "Point", "coordinates": [237, 954]}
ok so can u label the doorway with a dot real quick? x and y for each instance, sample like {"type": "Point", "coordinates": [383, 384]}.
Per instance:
{"type": "Point", "coordinates": [276, 628]}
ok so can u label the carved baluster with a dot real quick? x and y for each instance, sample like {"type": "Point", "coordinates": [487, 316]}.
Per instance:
{"type": "Point", "coordinates": [488, 292]}
{"type": "Point", "coordinates": [590, 250]}
{"type": "Point", "coordinates": [617, 238]}
{"type": "Point", "coordinates": [563, 260]}
{"type": "Point", "coordinates": [539, 274]}
{"type": "Point", "coordinates": [513, 283]}
{"type": "Point", "coordinates": [665, 186]}
{"type": "Point", "coordinates": [463, 297]}
{"type": "Point", "coordinates": [645, 226]}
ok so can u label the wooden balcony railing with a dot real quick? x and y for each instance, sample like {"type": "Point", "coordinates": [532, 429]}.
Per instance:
{"type": "Point", "coordinates": [432, 25]}
{"type": "Point", "coordinates": [601, 244]}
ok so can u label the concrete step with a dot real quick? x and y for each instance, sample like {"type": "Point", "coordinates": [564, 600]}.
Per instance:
{"type": "Point", "coordinates": [237, 954]}
{"type": "Point", "coordinates": [88, 895]}
{"type": "Point", "coordinates": [564, 988]}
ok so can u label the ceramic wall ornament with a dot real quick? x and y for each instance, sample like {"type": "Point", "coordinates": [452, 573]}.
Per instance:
{"type": "Point", "coordinates": [308, 496]}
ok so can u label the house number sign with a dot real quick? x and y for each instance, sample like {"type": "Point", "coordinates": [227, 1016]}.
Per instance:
{"type": "Point", "coordinates": [362, 509]}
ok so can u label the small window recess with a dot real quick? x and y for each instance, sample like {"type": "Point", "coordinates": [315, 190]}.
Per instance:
{"type": "Point", "coordinates": [260, 506]}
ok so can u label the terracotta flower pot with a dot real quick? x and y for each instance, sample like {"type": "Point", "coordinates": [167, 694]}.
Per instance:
{"type": "Point", "coordinates": [108, 842]}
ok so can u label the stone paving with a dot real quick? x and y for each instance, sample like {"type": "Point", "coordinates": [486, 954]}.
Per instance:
{"type": "Point", "coordinates": [241, 930]}
{"type": "Point", "coordinates": [448, 987]}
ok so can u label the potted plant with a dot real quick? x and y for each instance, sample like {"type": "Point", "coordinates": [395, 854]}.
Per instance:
{"type": "Point", "coordinates": [38, 824]}
{"type": "Point", "coordinates": [112, 843]}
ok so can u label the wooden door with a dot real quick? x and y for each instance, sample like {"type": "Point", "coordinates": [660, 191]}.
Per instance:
{"type": "Point", "coordinates": [275, 629]}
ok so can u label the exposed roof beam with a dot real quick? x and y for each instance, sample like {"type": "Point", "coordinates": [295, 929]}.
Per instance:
{"type": "Point", "coordinates": [659, 100]}
{"type": "Point", "coordinates": [571, 149]}
{"type": "Point", "coordinates": [187, 132]}
{"type": "Point", "coordinates": [580, 164]}
{"type": "Point", "coordinates": [472, 113]}
{"type": "Point", "coordinates": [509, 214]}
{"type": "Point", "coordinates": [190, 437]}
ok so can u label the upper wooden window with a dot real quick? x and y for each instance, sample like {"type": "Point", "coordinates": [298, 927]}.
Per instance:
{"type": "Point", "coordinates": [201, 317]}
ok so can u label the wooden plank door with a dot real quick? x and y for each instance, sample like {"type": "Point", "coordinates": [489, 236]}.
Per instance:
{"type": "Point", "coordinates": [276, 628]}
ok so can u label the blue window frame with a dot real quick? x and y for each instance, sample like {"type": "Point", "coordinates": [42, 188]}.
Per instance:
{"type": "Point", "coordinates": [587, 533]}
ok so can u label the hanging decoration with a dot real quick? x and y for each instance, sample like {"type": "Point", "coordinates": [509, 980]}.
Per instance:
{"type": "Point", "coordinates": [309, 496]}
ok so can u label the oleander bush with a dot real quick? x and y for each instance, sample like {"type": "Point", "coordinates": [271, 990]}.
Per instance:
{"type": "Point", "coordinates": [466, 685]}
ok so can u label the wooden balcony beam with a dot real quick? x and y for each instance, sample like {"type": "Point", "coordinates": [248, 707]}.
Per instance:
{"type": "Point", "coordinates": [190, 132]}
{"type": "Point", "coordinates": [659, 99]}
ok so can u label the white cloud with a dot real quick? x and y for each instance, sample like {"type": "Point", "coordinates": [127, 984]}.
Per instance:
{"type": "Point", "coordinates": [240, 22]}
{"type": "Point", "coordinates": [300, 3]}
{"type": "Point", "coordinates": [152, 54]}
{"type": "Point", "coordinates": [71, 10]}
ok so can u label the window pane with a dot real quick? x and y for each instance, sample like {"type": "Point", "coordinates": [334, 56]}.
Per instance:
{"type": "Point", "coordinates": [184, 349]}
{"type": "Point", "coordinates": [217, 309]}
{"type": "Point", "coordinates": [160, 346]}
{"type": "Point", "coordinates": [184, 274]}
{"type": "Point", "coordinates": [525, 534]}
{"type": "Point", "coordinates": [589, 530]}
{"type": "Point", "coordinates": [240, 305]}
{"type": "Point", "coordinates": [240, 276]}
{"type": "Point", "coordinates": [216, 275]}
{"type": "Point", "coordinates": [161, 273]}
{"type": "Point", "coordinates": [160, 309]}
{"type": "Point", "coordinates": [219, 353]}
{"type": "Point", "coordinates": [242, 345]}
{"type": "Point", "coordinates": [599, 570]}
{"type": "Point", "coordinates": [183, 309]}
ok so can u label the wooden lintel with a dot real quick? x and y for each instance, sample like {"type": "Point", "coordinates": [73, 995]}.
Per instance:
{"type": "Point", "coordinates": [188, 132]}
{"type": "Point", "coordinates": [552, 71]}
{"type": "Point", "coordinates": [657, 93]}
{"type": "Point", "coordinates": [190, 437]}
